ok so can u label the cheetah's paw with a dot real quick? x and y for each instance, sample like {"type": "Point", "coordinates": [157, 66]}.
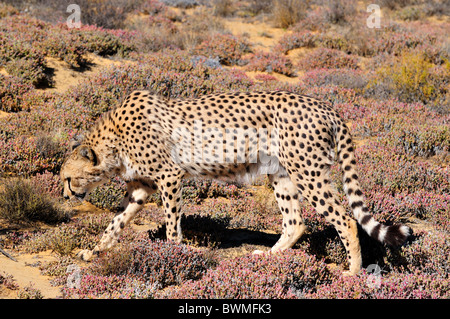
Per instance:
{"type": "Point", "coordinates": [85, 255]}
{"type": "Point", "coordinates": [259, 252]}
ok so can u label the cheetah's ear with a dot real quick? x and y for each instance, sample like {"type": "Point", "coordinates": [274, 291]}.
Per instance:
{"type": "Point", "coordinates": [75, 142]}
{"type": "Point", "coordinates": [89, 154]}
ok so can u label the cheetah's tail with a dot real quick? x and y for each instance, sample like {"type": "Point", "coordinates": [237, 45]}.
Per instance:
{"type": "Point", "coordinates": [394, 235]}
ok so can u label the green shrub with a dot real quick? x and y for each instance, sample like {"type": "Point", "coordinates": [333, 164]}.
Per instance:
{"type": "Point", "coordinates": [423, 140]}
{"type": "Point", "coordinates": [21, 202]}
{"type": "Point", "coordinates": [27, 156]}
{"type": "Point", "coordinates": [49, 183]}
{"type": "Point", "coordinates": [223, 8]}
{"type": "Point", "coordinates": [339, 11]}
{"type": "Point", "coordinates": [328, 58]}
{"type": "Point", "coordinates": [228, 48]}
{"type": "Point", "coordinates": [167, 263]}
{"type": "Point", "coordinates": [7, 10]}
{"type": "Point", "coordinates": [411, 13]}
{"type": "Point", "coordinates": [30, 292]}
{"type": "Point", "coordinates": [82, 233]}
{"type": "Point", "coordinates": [270, 62]}
{"type": "Point", "coordinates": [33, 71]}
{"type": "Point", "coordinates": [411, 78]}
{"type": "Point", "coordinates": [64, 46]}
{"type": "Point", "coordinates": [21, 59]}
{"type": "Point", "coordinates": [288, 12]}
{"type": "Point", "coordinates": [108, 196]}
{"type": "Point", "coordinates": [12, 90]}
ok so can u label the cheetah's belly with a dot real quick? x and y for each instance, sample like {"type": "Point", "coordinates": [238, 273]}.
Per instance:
{"type": "Point", "coordinates": [245, 173]}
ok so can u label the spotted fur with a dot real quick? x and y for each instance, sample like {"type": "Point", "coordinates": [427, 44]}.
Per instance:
{"type": "Point", "coordinates": [153, 143]}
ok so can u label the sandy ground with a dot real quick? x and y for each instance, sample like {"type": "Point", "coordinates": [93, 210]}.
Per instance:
{"type": "Point", "coordinates": [261, 34]}
{"type": "Point", "coordinates": [25, 270]}
{"type": "Point", "coordinates": [65, 77]}
{"type": "Point", "coordinates": [3, 114]}
{"type": "Point", "coordinates": [24, 274]}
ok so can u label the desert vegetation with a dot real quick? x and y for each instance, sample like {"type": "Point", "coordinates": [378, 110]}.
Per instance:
{"type": "Point", "coordinates": [390, 85]}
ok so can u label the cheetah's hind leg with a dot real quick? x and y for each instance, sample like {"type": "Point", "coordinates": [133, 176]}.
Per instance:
{"type": "Point", "coordinates": [293, 227]}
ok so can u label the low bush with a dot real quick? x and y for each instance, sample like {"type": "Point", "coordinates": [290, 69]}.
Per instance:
{"type": "Point", "coordinates": [411, 78]}
{"type": "Point", "coordinates": [107, 14]}
{"type": "Point", "coordinates": [49, 183]}
{"type": "Point", "coordinates": [65, 46]}
{"type": "Point", "coordinates": [429, 253]}
{"type": "Point", "coordinates": [223, 8]}
{"type": "Point", "coordinates": [50, 114]}
{"type": "Point", "coordinates": [22, 203]}
{"type": "Point", "coordinates": [140, 268]}
{"type": "Point", "coordinates": [166, 263]}
{"type": "Point", "coordinates": [7, 10]}
{"type": "Point", "coordinates": [288, 12]}
{"type": "Point", "coordinates": [228, 48]}
{"type": "Point", "coordinates": [108, 196]}
{"type": "Point", "coordinates": [270, 62]}
{"type": "Point", "coordinates": [332, 94]}
{"type": "Point", "coordinates": [23, 155]}
{"type": "Point", "coordinates": [407, 174]}
{"type": "Point", "coordinates": [286, 275]}
{"type": "Point", "coordinates": [29, 40]}
{"type": "Point", "coordinates": [12, 90]}
{"type": "Point", "coordinates": [336, 41]}
{"type": "Point", "coordinates": [8, 281]}
{"type": "Point", "coordinates": [397, 40]}
{"type": "Point", "coordinates": [315, 20]}
{"type": "Point", "coordinates": [398, 208]}
{"type": "Point", "coordinates": [328, 58]}
{"type": "Point", "coordinates": [436, 8]}
{"type": "Point", "coordinates": [410, 13]}
{"type": "Point", "coordinates": [81, 233]}
{"type": "Point", "coordinates": [109, 287]}
{"type": "Point", "coordinates": [21, 60]}
{"type": "Point", "coordinates": [295, 40]}
{"type": "Point", "coordinates": [395, 285]}
{"type": "Point", "coordinates": [340, 11]}
{"type": "Point", "coordinates": [195, 191]}
{"type": "Point", "coordinates": [58, 269]}
{"type": "Point", "coordinates": [265, 77]}
{"type": "Point", "coordinates": [185, 4]}
{"type": "Point", "coordinates": [422, 140]}
{"type": "Point", "coordinates": [103, 41]}
{"type": "Point", "coordinates": [242, 212]}
{"type": "Point", "coordinates": [30, 292]}
{"type": "Point", "coordinates": [32, 71]}
{"type": "Point", "coordinates": [309, 39]}
{"type": "Point", "coordinates": [345, 78]}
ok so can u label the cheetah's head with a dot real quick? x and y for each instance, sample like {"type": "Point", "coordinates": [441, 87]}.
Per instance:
{"type": "Point", "coordinates": [81, 173]}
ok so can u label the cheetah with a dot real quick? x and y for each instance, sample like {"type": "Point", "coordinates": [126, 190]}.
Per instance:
{"type": "Point", "coordinates": [152, 143]}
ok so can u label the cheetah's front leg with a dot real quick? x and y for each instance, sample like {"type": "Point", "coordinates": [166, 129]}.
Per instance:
{"type": "Point", "coordinates": [134, 200]}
